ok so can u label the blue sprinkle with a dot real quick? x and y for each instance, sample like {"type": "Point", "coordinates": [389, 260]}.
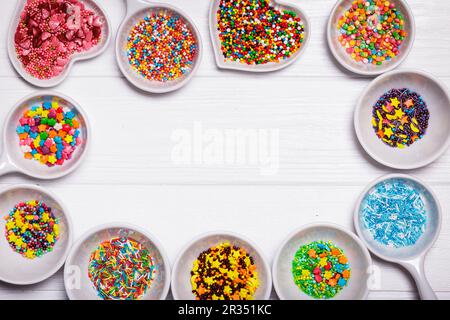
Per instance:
{"type": "Point", "coordinates": [394, 213]}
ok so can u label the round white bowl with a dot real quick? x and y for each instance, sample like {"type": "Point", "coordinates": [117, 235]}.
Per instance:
{"type": "Point", "coordinates": [136, 10]}
{"type": "Point", "coordinates": [76, 279]}
{"type": "Point", "coordinates": [437, 137]}
{"type": "Point", "coordinates": [181, 272]}
{"type": "Point", "coordinates": [268, 67]}
{"type": "Point", "coordinates": [12, 158]}
{"type": "Point", "coordinates": [90, 54]}
{"type": "Point", "coordinates": [16, 269]}
{"type": "Point", "coordinates": [346, 60]}
{"type": "Point", "coordinates": [434, 217]}
{"type": "Point", "coordinates": [357, 254]}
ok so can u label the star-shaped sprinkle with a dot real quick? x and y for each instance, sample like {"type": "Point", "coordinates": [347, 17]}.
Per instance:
{"type": "Point", "coordinates": [395, 102]}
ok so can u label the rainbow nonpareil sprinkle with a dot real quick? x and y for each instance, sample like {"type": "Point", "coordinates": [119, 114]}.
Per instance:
{"type": "Point", "coordinates": [224, 272]}
{"type": "Point", "coordinates": [372, 31]}
{"type": "Point", "coordinates": [320, 269]}
{"type": "Point", "coordinates": [31, 229]}
{"type": "Point", "coordinates": [255, 32]}
{"type": "Point", "coordinates": [162, 46]}
{"type": "Point", "coordinates": [394, 213]}
{"type": "Point", "coordinates": [121, 269]}
{"type": "Point", "coordinates": [49, 133]}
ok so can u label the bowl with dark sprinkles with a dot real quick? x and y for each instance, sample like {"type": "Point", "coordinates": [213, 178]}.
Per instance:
{"type": "Point", "coordinates": [402, 119]}
{"type": "Point", "coordinates": [221, 266]}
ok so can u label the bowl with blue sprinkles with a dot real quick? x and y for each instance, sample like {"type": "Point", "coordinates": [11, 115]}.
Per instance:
{"type": "Point", "coordinates": [399, 217]}
{"type": "Point", "coordinates": [402, 119]}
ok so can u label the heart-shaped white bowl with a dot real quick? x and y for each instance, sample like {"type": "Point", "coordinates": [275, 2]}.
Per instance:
{"type": "Point", "coordinates": [268, 67]}
{"type": "Point", "coordinates": [181, 272]}
{"type": "Point", "coordinates": [437, 137]}
{"type": "Point", "coordinates": [92, 53]}
{"type": "Point", "coordinates": [76, 279]}
{"type": "Point", "coordinates": [136, 10]}
{"type": "Point", "coordinates": [357, 254]}
{"type": "Point", "coordinates": [346, 60]}
{"type": "Point", "coordinates": [16, 269]}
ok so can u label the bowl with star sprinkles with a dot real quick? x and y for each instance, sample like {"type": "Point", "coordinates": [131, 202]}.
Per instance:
{"type": "Point", "coordinates": [370, 37]}
{"type": "Point", "coordinates": [402, 119]}
{"type": "Point", "coordinates": [321, 261]}
{"type": "Point", "coordinates": [36, 234]}
{"type": "Point", "coordinates": [158, 47]}
{"type": "Point", "coordinates": [221, 266]}
{"type": "Point", "coordinates": [46, 37]}
{"type": "Point", "coordinates": [117, 261]}
{"type": "Point", "coordinates": [45, 136]}
{"type": "Point", "coordinates": [257, 36]}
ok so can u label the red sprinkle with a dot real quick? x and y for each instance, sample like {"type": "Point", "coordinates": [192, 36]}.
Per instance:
{"type": "Point", "coordinates": [51, 31]}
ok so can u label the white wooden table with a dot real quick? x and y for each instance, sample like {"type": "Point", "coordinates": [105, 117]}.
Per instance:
{"type": "Point", "coordinates": [130, 174]}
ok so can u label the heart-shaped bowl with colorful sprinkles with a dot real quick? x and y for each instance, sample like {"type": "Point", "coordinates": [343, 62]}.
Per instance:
{"type": "Point", "coordinates": [402, 119]}
{"type": "Point", "coordinates": [281, 48]}
{"type": "Point", "coordinates": [355, 40]}
{"type": "Point", "coordinates": [36, 234]}
{"type": "Point", "coordinates": [298, 273]}
{"type": "Point", "coordinates": [193, 278]}
{"type": "Point", "coordinates": [117, 261]}
{"type": "Point", "coordinates": [72, 32]}
{"type": "Point", "coordinates": [164, 59]}
{"type": "Point", "coordinates": [45, 136]}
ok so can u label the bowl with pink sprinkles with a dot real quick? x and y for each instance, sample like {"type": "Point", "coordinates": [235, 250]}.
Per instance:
{"type": "Point", "coordinates": [46, 38]}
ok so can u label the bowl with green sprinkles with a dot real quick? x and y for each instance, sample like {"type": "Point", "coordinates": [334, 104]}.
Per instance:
{"type": "Point", "coordinates": [36, 234]}
{"type": "Point", "coordinates": [398, 217]}
{"type": "Point", "coordinates": [321, 261]}
{"type": "Point", "coordinates": [370, 37]}
{"type": "Point", "coordinates": [117, 261]}
{"type": "Point", "coordinates": [257, 35]}
{"type": "Point", "coordinates": [221, 266]}
{"type": "Point", "coordinates": [402, 119]}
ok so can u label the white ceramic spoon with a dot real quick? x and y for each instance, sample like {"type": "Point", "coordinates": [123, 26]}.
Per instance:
{"type": "Point", "coordinates": [136, 11]}
{"type": "Point", "coordinates": [12, 158]}
{"type": "Point", "coordinates": [411, 258]}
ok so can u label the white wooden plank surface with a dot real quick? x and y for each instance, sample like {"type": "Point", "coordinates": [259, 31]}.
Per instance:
{"type": "Point", "coordinates": [322, 169]}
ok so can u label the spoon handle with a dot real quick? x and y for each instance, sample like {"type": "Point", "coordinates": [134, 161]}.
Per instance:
{"type": "Point", "coordinates": [417, 270]}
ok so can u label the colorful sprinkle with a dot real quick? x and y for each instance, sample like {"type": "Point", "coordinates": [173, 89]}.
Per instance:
{"type": "Point", "coordinates": [31, 229]}
{"type": "Point", "coordinates": [50, 32]}
{"type": "Point", "coordinates": [162, 47]}
{"type": "Point", "coordinates": [224, 272]}
{"type": "Point", "coordinates": [255, 32]}
{"type": "Point", "coordinates": [121, 269]}
{"type": "Point", "coordinates": [320, 269]}
{"type": "Point", "coordinates": [400, 117]}
{"type": "Point", "coordinates": [49, 133]}
{"type": "Point", "coordinates": [372, 31]}
{"type": "Point", "coordinates": [394, 213]}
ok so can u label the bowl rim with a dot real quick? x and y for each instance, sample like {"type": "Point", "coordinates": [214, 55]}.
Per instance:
{"type": "Point", "coordinates": [305, 227]}
{"type": "Point", "coordinates": [250, 243]}
{"type": "Point", "coordinates": [69, 228]}
{"type": "Point", "coordinates": [49, 83]}
{"type": "Point", "coordinates": [381, 70]}
{"type": "Point", "coordinates": [358, 127]}
{"type": "Point", "coordinates": [141, 6]}
{"type": "Point", "coordinates": [122, 225]}
{"type": "Point", "coordinates": [388, 177]}
{"type": "Point", "coordinates": [5, 152]}
{"type": "Point", "coordinates": [218, 56]}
